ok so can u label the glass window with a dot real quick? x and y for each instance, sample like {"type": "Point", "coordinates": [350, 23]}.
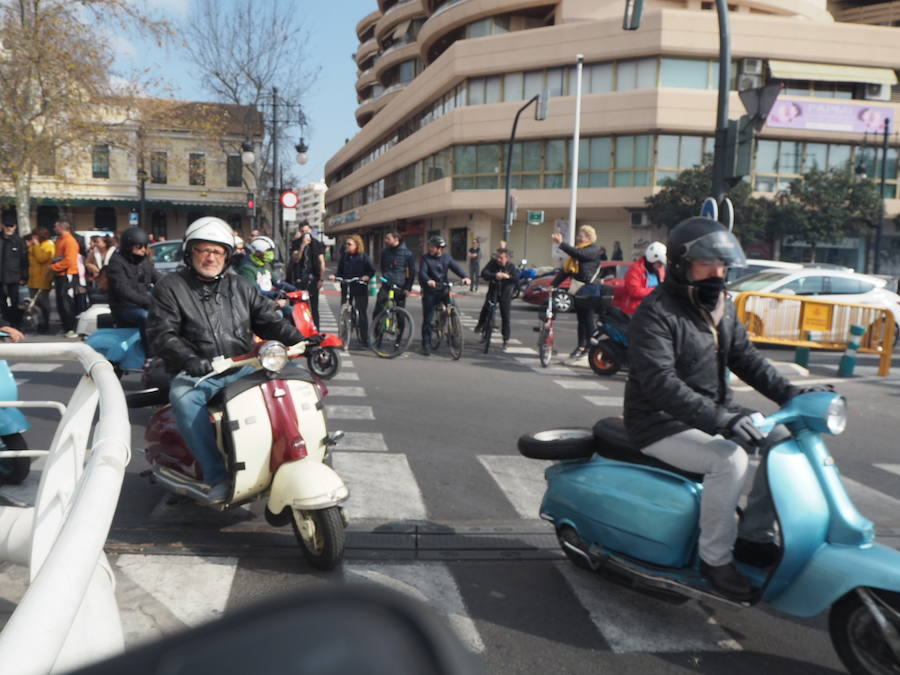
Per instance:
{"type": "Point", "coordinates": [555, 159]}
{"type": "Point", "coordinates": [790, 157]}
{"type": "Point", "coordinates": [492, 87]}
{"type": "Point", "coordinates": [626, 75]}
{"type": "Point", "coordinates": [531, 156]}
{"type": "Point", "coordinates": [601, 149]}
{"type": "Point", "coordinates": [843, 285]}
{"type": "Point", "coordinates": [478, 29]}
{"type": "Point", "coordinates": [601, 78]}
{"type": "Point", "coordinates": [691, 152]}
{"type": "Point", "coordinates": [624, 152]}
{"type": "Point", "coordinates": [767, 156]}
{"type": "Point", "coordinates": [813, 285]}
{"type": "Point", "coordinates": [816, 156]}
{"type": "Point", "coordinates": [488, 158]}
{"type": "Point", "coordinates": [534, 82]}
{"type": "Point", "coordinates": [442, 165]}
{"type": "Point", "coordinates": [476, 91]}
{"type": "Point", "coordinates": [512, 87]}
{"type": "Point", "coordinates": [159, 167]}
{"type": "Point", "coordinates": [234, 171]}
{"type": "Point", "coordinates": [464, 159]}
{"type": "Point", "coordinates": [646, 74]}
{"type": "Point", "coordinates": [46, 163]}
{"type": "Point", "coordinates": [687, 73]}
{"type": "Point", "coordinates": [555, 81]}
{"type": "Point", "coordinates": [667, 151]}
{"type": "Point", "coordinates": [100, 161]}
{"type": "Point", "coordinates": [197, 168]}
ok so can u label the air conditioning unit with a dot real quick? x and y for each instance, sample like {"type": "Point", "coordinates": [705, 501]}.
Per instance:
{"type": "Point", "coordinates": [878, 92]}
{"type": "Point", "coordinates": [745, 82]}
{"type": "Point", "coordinates": [752, 66]}
{"type": "Point", "coordinates": [639, 219]}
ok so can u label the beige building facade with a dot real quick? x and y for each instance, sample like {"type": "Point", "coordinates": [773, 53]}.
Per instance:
{"type": "Point", "coordinates": [440, 82]}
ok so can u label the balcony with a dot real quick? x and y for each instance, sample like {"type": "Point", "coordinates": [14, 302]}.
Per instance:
{"type": "Point", "coordinates": [367, 22]}
{"type": "Point", "coordinates": [365, 79]}
{"type": "Point", "coordinates": [410, 9]}
{"type": "Point", "coordinates": [365, 50]}
{"type": "Point", "coordinates": [391, 59]}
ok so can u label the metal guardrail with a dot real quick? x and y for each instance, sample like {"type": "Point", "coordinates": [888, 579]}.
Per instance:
{"type": "Point", "coordinates": [68, 616]}
{"type": "Point", "coordinates": [800, 321]}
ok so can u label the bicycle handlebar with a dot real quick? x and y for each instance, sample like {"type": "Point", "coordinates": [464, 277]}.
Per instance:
{"type": "Point", "coordinates": [352, 280]}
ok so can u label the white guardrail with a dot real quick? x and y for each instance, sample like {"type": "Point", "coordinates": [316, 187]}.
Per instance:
{"type": "Point", "coordinates": [68, 616]}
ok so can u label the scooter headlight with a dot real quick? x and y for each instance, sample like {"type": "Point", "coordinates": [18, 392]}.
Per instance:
{"type": "Point", "coordinates": [273, 356]}
{"type": "Point", "coordinates": [836, 416]}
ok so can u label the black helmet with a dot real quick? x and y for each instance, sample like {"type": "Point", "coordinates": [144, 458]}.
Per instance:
{"type": "Point", "coordinates": [701, 238]}
{"type": "Point", "coordinates": [133, 236]}
{"type": "Point", "coordinates": [437, 240]}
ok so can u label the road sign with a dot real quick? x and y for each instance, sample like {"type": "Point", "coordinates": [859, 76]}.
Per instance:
{"type": "Point", "coordinates": [288, 214]}
{"type": "Point", "coordinates": [535, 217]}
{"type": "Point", "coordinates": [710, 209]}
{"type": "Point", "coordinates": [289, 199]}
{"type": "Point", "coordinates": [133, 219]}
{"type": "Point", "coordinates": [727, 214]}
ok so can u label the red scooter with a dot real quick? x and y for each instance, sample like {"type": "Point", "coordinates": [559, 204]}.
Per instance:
{"type": "Point", "coordinates": [323, 357]}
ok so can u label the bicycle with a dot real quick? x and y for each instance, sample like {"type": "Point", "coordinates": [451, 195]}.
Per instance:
{"type": "Point", "coordinates": [545, 335]}
{"type": "Point", "coordinates": [493, 301]}
{"type": "Point", "coordinates": [392, 327]}
{"type": "Point", "coordinates": [32, 316]}
{"type": "Point", "coordinates": [446, 321]}
{"type": "Point", "coordinates": [349, 318]}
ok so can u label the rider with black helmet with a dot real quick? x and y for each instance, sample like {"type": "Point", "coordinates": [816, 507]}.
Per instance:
{"type": "Point", "coordinates": [131, 276]}
{"type": "Point", "coordinates": [678, 406]}
{"type": "Point", "coordinates": [432, 274]}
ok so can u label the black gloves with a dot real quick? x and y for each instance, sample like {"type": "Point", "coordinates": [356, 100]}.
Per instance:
{"type": "Point", "coordinates": [816, 388]}
{"type": "Point", "coordinates": [197, 367]}
{"type": "Point", "coordinates": [742, 429]}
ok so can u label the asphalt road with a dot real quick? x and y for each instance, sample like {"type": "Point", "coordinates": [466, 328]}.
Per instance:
{"type": "Point", "coordinates": [444, 508]}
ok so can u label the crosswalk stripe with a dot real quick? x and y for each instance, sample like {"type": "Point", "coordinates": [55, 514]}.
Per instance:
{"type": "Point", "coordinates": [892, 468]}
{"type": "Point", "coordinates": [41, 367]}
{"type": "Point", "coordinates": [430, 583]}
{"type": "Point", "coordinates": [520, 479]}
{"type": "Point", "coordinates": [20, 381]}
{"type": "Point", "coordinates": [381, 486]}
{"type": "Point", "coordinates": [522, 350]}
{"type": "Point", "coordinates": [349, 412]}
{"type": "Point", "coordinates": [874, 505]}
{"type": "Point", "coordinates": [346, 376]}
{"type": "Point", "coordinates": [362, 440]}
{"type": "Point", "coordinates": [163, 594]}
{"type": "Point", "coordinates": [346, 391]}
{"type": "Point", "coordinates": [605, 401]}
{"type": "Point", "coordinates": [592, 385]}
{"type": "Point", "coordinates": [632, 622]}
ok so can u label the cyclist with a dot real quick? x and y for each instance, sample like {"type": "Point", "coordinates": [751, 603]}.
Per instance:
{"type": "Point", "coordinates": [355, 263]}
{"type": "Point", "coordinates": [432, 274]}
{"type": "Point", "coordinates": [643, 275]}
{"type": "Point", "coordinates": [398, 266]}
{"type": "Point", "coordinates": [504, 275]}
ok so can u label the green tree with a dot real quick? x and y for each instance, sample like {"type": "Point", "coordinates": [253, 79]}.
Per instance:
{"type": "Point", "coordinates": [822, 207]}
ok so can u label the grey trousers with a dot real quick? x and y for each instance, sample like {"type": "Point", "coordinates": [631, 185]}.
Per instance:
{"type": "Point", "coordinates": [723, 464]}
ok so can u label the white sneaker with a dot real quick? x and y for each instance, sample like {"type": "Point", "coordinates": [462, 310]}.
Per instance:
{"type": "Point", "coordinates": [71, 334]}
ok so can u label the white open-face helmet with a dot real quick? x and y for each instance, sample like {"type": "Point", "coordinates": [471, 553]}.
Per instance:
{"type": "Point", "coordinates": [261, 244]}
{"type": "Point", "coordinates": [208, 228]}
{"type": "Point", "coordinates": [656, 252]}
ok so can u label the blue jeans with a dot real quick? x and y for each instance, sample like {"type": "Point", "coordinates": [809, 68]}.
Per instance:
{"type": "Point", "coordinates": [192, 417]}
{"type": "Point", "coordinates": [132, 316]}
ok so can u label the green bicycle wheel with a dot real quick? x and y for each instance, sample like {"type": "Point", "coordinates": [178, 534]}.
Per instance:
{"type": "Point", "coordinates": [392, 332]}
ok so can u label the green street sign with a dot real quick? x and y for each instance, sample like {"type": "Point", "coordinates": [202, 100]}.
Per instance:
{"type": "Point", "coordinates": [535, 217]}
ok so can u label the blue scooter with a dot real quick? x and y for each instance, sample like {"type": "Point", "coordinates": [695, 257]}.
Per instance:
{"type": "Point", "coordinates": [122, 347]}
{"type": "Point", "coordinates": [13, 470]}
{"type": "Point", "coordinates": [623, 512]}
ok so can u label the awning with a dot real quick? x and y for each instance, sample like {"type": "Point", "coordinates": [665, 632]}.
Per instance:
{"type": "Point", "coordinates": [401, 30]}
{"type": "Point", "coordinates": [826, 72]}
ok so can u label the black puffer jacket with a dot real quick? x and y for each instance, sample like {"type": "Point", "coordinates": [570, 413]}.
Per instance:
{"type": "Point", "coordinates": [489, 273]}
{"type": "Point", "coordinates": [588, 261]}
{"type": "Point", "coordinates": [191, 318]}
{"type": "Point", "coordinates": [13, 260]}
{"type": "Point", "coordinates": [676, 379]}
{"type": "Point", "coordinates": [398, 265]}
{"type": "Point", "coordinates": [130, 283]}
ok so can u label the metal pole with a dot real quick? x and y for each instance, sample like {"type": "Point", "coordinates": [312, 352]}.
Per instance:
{"type": "Point", "coordinates": [274, 162]}
{"type": "Point", "coordinates": [143, 200]}
{"type": "Point", "coordinates": [720, 150]}
{"type": "Point", "coordinates": [884, 149]}
{"type": "Point", "coordinates": [509, 149]}
{"type": "Point", "coordinates": [576, 142]}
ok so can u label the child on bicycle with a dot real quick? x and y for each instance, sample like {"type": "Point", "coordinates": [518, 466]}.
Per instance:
{"type": "Point", "coordinates": [355, 263]}
{"type": "Point", "coordinates": [502, 275]}
{"type": "Point", "coordinates": [432, 277]}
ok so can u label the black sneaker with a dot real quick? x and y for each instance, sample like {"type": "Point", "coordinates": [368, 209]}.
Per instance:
{"type": "Point", "coordinates": [425, 351]}
{"type": "Point", "coordinates": [727, 581]}
{"type": "Point", "coordinates": [478, 328]}
{"type": "Point", "coordinates": [756, 553]}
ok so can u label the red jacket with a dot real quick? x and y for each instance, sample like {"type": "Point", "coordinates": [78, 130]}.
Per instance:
{"type": "Point", "coordinates": [629, 295]}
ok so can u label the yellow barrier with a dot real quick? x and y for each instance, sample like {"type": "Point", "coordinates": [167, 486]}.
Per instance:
{"type": "Point", "coordinates": [800, 321]}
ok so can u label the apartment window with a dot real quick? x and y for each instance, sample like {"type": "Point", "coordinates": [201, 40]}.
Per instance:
{"type": "Point", "coordinates": [476, 167]}
{"type": "Point", "coordinates": [596, 78]}
{"type": "Point", "coordinates": [493, 89]}
{"type": "Point", "coordinates": [534, 83]}
{"type": "Point", "coordinates": [197, 168]}
{"type": "Point", "coordinates": [632, 161]}
{"type": "Point", "coordinates": [636, 74]}
{"type": "Point", "coordinates": [159, 167]}
{"type": "Point", "coordinates": [512, 86]}
{"type": "Point", "coordinates": [234, 170]}
{"type": "Point", "coordinates": [594, 162]}
{"type": "Point", "coordinates": [677, 153]}
{"type": "Point", "coordinates": [476, 91]}
{"type": "Point", "coordinates": [100, 161]}
{"type": "Point", "coordinates": [684, 73]}
{"type": "Point", "coordinates": [779, 162]}
{"type": "Point", "coordinates": [526, 165]}
{"type": "Point", "coordinates": [46, 164]}
{"type": "Point", "coordinates": [554, 163]}
{"type": "Point", "coordinates": [555, 81]}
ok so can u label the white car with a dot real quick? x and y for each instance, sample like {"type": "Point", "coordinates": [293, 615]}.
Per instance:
{"type": "Point", "coordinates": [756, 265]}
{"type": "Point", "coordinates": [824, 284]}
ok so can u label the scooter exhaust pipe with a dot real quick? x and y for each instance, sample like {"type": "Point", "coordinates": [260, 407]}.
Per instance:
{"type": "Point", "coordinates": [178, 484]}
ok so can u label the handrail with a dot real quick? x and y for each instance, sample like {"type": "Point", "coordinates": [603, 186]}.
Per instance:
{"type": "Point", "coordinates": [68, 616]}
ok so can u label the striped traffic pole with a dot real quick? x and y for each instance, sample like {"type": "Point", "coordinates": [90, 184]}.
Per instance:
{"type": "Point", "coordinates": [848, 360]}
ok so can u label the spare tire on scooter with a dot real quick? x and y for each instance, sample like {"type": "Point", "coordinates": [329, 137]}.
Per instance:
{"type": "Point", "coordinates": [557, 444]}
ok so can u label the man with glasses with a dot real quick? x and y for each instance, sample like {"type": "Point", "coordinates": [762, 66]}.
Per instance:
{"type": "Point", "coordinates": [201, 312]}
{"type": "Point", "coordinates": [13, 273]}
{"type": "Point", "coordinates": [131, 276]}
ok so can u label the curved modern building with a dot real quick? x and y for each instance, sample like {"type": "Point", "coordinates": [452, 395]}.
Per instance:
{"type": "Point", "coordinates": [440, 82]}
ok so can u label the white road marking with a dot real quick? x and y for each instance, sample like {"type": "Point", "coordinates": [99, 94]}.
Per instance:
{"type": "Point", "coordinates": [188, 590]}
{"type": "Point", "coordinates": [349, 412]}
{"type": "Point", "coordinates": [605, 401]}
{"type": "Point", "coordinates": [381, 486]}
{"type": "Point", "coordinates": [521, 350]}
{"type": "Point", "coordinates": [520, 479]}
{"type": "Point", "coordinates": [582, 383]}
{"type": "Point", "coordinates": [893, 468]}
{"type": "Point", "coordinates": [41, 367]}
{"type": "Point", "coordinates": [346, 391]}
{"type": "Point", "coordinates": [347, 377]}
{"type": "Point", "coordinates": [632, 622]}
{"type": "Point", "coordinates": [362, 440]}
{"type": "Point", "coordinates": [430, 583]}
{"type": "Point", "coordinates": [20, 381]}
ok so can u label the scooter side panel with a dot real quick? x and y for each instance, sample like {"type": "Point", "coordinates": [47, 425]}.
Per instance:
{"type": "Point", "coordinates": [836, 570]}
{"type": "Point", "coordinates": [643, 512]}
{"type": "Point", "coordinates": [12, 421]}
{"type": "Point", "coordinates": [251, 438]}
{"type": "Point", "coordinates": [119, 345]}
{"type": "Point", "coordinates": [310, 419]}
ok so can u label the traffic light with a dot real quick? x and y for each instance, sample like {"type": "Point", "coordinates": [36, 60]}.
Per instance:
{"type": "Point", "coordinates": [633, 10]}
{"type": "Point", "coordinates": [251, 204]}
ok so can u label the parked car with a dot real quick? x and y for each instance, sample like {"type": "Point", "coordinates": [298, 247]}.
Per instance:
{"type": "Point", "coordinates": [167, 255]}
{"type": "Point", "coordinates": [538, 291]}
{"type": "Point", "coordinates": [824, 284]}
{"type": "Point", "coordinates": [756, 265]}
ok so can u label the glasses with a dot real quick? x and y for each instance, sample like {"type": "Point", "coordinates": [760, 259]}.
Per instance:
{"type": "Point", "coordinates": [214, 252]}
{"type": "Point", "coordinates": [136, 246]}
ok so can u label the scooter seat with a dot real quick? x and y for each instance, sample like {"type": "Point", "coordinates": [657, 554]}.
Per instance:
{"type": "Point", "coordinates": [105, 321]}
{"type": "Point", "coordinates": [612, 443]}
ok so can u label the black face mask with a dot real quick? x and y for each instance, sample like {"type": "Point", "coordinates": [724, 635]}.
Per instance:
{"type": "Point", "coordinates": [708, 292]}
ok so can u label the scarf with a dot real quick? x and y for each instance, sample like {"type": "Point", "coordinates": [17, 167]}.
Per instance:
{"type": "Point", "coordinates": [572, 267]}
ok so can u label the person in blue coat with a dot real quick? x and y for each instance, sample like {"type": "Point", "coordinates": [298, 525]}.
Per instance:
{"type": "Point", "coordinates": [355, 263]}
{"type": "Point", "coordinates": [432, 274]}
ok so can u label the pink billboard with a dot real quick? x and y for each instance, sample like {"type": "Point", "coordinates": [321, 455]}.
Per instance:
{"type": "Point", "coordinates": [789, 113]}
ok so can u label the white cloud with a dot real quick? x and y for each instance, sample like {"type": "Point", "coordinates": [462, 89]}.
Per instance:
{"type": "Point", "coordinates": [122, 46]}
{"type": "Point", "coordinates": [176, 7]}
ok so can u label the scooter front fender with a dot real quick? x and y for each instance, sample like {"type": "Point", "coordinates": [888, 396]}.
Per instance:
{"type": "Point", "coordinates": [306, 484]}
{"type": "Point", "coordinates": [833, 572]}
{"type": "Point", "coordinates": [119, 345]}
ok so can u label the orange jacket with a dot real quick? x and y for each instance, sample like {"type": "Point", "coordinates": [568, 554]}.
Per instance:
{"type": "Point", "coordinates": [67, 247]}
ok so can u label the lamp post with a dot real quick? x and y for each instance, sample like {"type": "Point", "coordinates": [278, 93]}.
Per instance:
{"type": "Point", "coordinates": [142, 181]}
{"type": "Point", "coordinates": [540, 114]}
{"type": "Point", "coordinates": [248, 158]}
{"type": "Point", "coordinates": [884, 149]}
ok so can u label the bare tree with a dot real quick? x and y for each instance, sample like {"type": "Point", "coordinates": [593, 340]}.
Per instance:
{"type": "Point", "coordinates": [55, 82]}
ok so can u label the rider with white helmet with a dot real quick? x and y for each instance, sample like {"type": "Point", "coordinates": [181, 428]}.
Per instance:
{"type": "Point", "coordinates": [201, 312]}
{"type": "Point", "coordinates": [644, 274]}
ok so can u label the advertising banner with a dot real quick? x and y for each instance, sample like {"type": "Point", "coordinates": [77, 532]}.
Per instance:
{"type": "Point", "coordinates": [789, 113]}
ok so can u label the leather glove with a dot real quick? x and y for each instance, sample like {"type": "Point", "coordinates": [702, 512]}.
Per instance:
{"type": "Point", "coordinates": [197, 367]}
{"type": "Point", "coordinates": [816, 388]}
{"type": "Point", "coordinates": [741, 428]}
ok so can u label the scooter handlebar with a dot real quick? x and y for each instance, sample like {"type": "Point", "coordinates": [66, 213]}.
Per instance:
{"type": "Point", "coordinates": [222, 364]}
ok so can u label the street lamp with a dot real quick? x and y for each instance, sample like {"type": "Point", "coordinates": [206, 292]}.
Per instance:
{"type": "Point", "coordinates": [142, 180]}
{"type": "Point", "coordinates": [302, 149]}
{"type": "Point", "coordinates": [247, 154]}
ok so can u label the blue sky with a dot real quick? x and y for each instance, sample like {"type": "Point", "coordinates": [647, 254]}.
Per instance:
{"type": "Point", "coordinates": [331, 102]}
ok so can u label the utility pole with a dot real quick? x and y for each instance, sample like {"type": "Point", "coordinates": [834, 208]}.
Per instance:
{"type": "Point", "coordinates": [721, 149]}
{"type": "Point", "coordinates": [880, 223]}
{"type": "Point", "coordinates": [275, 194]}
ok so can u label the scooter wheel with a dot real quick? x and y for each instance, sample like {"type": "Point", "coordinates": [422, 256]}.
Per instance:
{"type": "Point", "coordinates": [15, 469]}
{"type": "Point", "coordinates": [857, 638]}
{"type": "Point", "coordinates": [324, 362]}
{"type": "Point", "coordinates": [321, 536]}
{"type": "Point", "coordinates": [600, 363]}
{"type": "Point", "coordinates": [558, 444]}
